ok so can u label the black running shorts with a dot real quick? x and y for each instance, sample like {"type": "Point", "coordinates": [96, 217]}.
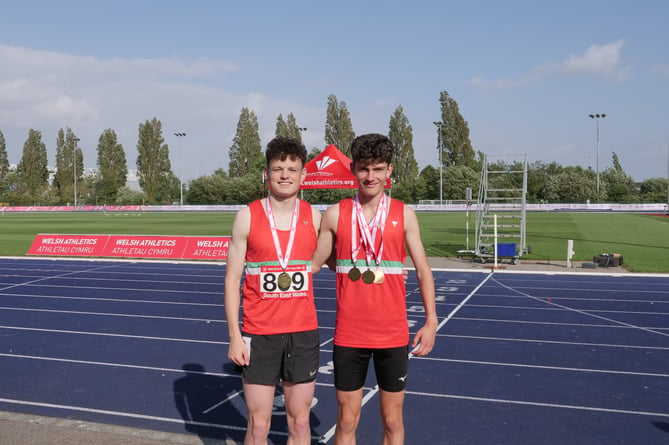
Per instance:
{"type": "Point", "coordinates": [289, 357]}
{"type": "Point", "coordinates": [390, 365]}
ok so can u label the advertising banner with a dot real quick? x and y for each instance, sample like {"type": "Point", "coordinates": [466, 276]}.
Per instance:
{"type": "Point", "coordinates": [132, 246]}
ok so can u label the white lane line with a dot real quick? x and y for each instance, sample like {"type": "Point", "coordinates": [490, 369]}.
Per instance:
{"type": "Point", "coordinates": [539, 404]}
{"type": "Point", "coordinates": [582, 312]}
{"type": "Point", "coordinates": [111, 314]}
{"type": "Point", "coordinates": [552, 368]}
{"type": "Point", "coordinates": [103, 334]}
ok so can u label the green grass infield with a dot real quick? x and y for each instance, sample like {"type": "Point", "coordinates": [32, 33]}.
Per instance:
{"type": "Point", "coordinates": [642, 240]}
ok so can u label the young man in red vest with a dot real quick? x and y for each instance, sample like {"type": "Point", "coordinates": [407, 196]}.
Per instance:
{"type": "Point", "coordinates": [370, 233]}
{"type": "Point", "coordinates": [275, 237]}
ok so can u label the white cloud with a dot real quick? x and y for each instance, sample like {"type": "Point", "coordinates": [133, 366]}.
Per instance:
{"type": "Point", "coordinates": [47, 91]}
{"type": "Point", "coordinates": [601, 60]}
{"type": "Point", "coordinates": [605, 60]}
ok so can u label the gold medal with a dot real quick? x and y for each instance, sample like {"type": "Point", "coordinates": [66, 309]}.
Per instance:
{"type": "Point", "coordinates": [284, 281]}
{"type": "Point", "coordinates": [354, 274]}
{"type": "Point", "coordinates": [379, 276]}
{"type": "Point", "coordinates": [368, 277]}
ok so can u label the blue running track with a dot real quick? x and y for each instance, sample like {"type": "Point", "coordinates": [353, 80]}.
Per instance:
{"type": "Point", "coordinates": [521, 358]}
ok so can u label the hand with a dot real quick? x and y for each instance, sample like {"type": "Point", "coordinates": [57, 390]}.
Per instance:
{"type": "Point", "coordinates": [424, 339]}
{"type": "Point", "coordinates": [405, 275]}
{"type": "Point", "coordinates": [239, 353]}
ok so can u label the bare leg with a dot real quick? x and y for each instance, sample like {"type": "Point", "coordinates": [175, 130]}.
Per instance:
{"type": "Point", "coordinates": [259, 402]}
{"type": "Point", "coordinates": [298, 408]}
{"type": "Point", "coordinates": [391, 417]}
{"type": "Point", "coordinates": [348, 416]}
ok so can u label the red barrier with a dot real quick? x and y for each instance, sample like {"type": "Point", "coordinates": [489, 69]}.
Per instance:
{"type": "Point", "coordinates": [132, 246]}
{"type": "Point", "coordinates": [68, 245]}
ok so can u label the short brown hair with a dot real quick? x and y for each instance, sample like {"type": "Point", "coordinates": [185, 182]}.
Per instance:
{"type": "Point", "coordinates": [282, 147]}
{"type": "Point", "coordinates": [372, 147]}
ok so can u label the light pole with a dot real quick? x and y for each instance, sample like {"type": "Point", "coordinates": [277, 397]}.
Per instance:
{"type": "Point", "coordinates": [74, 168]}
{"type": "Point", "coordinates": [181, 170]}
{"type": "Point", "coordinates": [597, 117]}
{"type": "Point", "coordinates": [441, 164]}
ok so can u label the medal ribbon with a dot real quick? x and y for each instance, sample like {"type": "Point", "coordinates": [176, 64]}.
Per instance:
{"type": "Point", "coordinates": [368, 236]}
{"type": "Point", "coordinates": [283, 260]}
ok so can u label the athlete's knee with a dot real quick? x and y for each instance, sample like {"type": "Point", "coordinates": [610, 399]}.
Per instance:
{"type": "Point", "coordinates": [299, 426]}
{"type": "Point", "coordinates": [348, 420]}
{"type": "Point", "coordinates": [258, 428]}
{"type": "Point", "coordinates": [393, 424]}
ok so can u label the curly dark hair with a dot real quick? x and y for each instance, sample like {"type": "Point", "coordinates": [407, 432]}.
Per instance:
{"type": "Point", "coordinates": [282, 147]}
{"type": "Point", "coordinates": [371, 148]}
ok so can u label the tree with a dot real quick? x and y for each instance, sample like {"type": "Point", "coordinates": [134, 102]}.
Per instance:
{"type": "Point", "coordinates": [112, 166]}
{"type": "Point", "coordinates": [243, 189]}
{"type": "Point", "coordinates": [654, 190]}
{"type": "Point", "coordinates": [127, 196]}
{"type": "Point", "coordinates": [454, 134]}
{"type": "Point", "coordinates": [4, 169]}
{"type": "Point", "coordinates": [4, 161]}
{"type": "Point", "coordinates": [281, 127]}
{"type": "Point", "coordinates": [400, 134]}
{"type": "Point", "coordinates": [69, 160]}
{"type": "Point", "coordinates": [571, 186]}
{"type": "Point", "coordinates": [456, 181]}
{"type": "Point", "coordinates": [620, 185]}
{"type": "Point", "coordinates": [288, 128]}
{"type": "Point", "coordinates": [246, 156]}
{"type": "Point", "coordinates": [32, 170]}
{"type": "Point", "coordinates": [153, 161]}
{"type": "Point", "coordinates": [208, 189]}
{"type": "Point", "coordinates": [338, 128]}
{"type": "Point", "coordinates": [430, 177]}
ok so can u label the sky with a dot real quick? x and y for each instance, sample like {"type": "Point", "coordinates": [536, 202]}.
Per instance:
{"type": "Point", "coordinates": [525, 74]}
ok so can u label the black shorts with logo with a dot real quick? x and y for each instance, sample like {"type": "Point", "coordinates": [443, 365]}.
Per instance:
{"type": "Point", "coordinates": [290, 357]}
{"type": "Point", "coordinates": [390, 365]}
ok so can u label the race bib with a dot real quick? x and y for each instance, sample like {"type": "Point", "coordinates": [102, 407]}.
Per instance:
{"type": "Point", "coordinates": [291, 283]}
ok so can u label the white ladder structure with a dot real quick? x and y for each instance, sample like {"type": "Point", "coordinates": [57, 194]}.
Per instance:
{"type": "Point", "coordinates": [502, 196]}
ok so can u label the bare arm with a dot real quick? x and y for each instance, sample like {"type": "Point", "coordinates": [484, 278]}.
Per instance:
{"type": "Point", "coordinates": [427, 334]}
{"type": "Point", "coordinates": [237, 351]}
{"type": "Point", "coordinates": [326, 239]}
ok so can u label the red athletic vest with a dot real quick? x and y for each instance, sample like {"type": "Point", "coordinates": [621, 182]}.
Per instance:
{"type": "Point", "coordinates": [267, 308]}
{"type": "Point", "coordinates": [371, 315]}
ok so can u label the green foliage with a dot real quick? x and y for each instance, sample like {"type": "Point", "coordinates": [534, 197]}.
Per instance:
{"type": "Point", "coordinates": [288, 128]}
{"type": "Point", "coordinates": [457, 179]}
{"type": "Point", "coordinates": [338, 127]}
{"type": "Point", "coordinates": [207, 190]}
{"type": "Point", "coordinates": [570, 186]}
{"type": "Point", "coordinates": [244, 189]}
{"type": "Point", "coordinates": [168, 189]}
{"type": "Point", "coordinates": [313, 153]}
{"type": "Point", "coordinates": [4, 170]}
{"type": "Point", "coordinates": [454, 134]}
{"type": "Point", "coordinates": [112, 166]}
{"type": "Point", "coordinates": [153, 161]}
{"type": "Point", "coordinates": [126, 196]}
{"type": "Point", "coordinates": [654, 190]}
{"type": "Point", "coordinates": [430, 177]}
{"type": "Point", "coordinates": [4, 161]}
{"type": "Point", "coordinates": [246, 155]}
{"type": "Point", "coordinates": [32, 170]}
{"type": "Point", "coordinates": [620, 186]}
{"type": "Point", "coordinates": [69, 159]}
{"type": "Point", "coordinates": [400, 133]}
{"type": "Point", "coordinates": [410, 190]}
